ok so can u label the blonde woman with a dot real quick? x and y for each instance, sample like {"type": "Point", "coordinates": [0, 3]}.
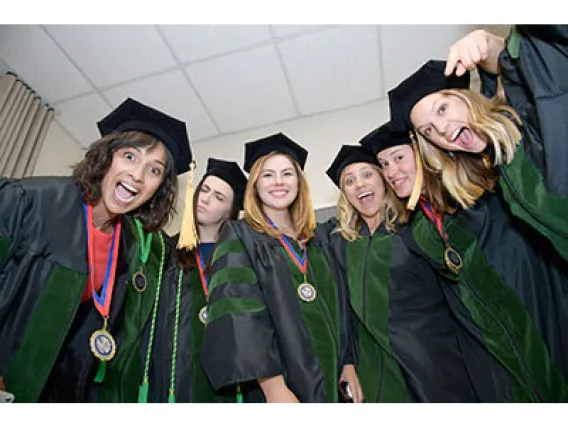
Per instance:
{"type": "Point", "coordinates": [516, 139]}
{"type": "Point", "coordinates": [501, 279]}
{"type": "Point", "coordinates": [411, 348]}
{"type": "Point", "coordinates": [512, 213]}
{"type": "Point", "coordinates": [274, 318]}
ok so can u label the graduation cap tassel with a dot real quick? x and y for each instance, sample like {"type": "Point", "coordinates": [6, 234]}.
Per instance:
{"type": "Point", "coordinates": [417, 189]}
{"type": "Point", "coordinates": [188, 237]}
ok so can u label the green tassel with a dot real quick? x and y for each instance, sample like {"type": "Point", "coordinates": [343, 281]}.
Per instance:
{"type": "Point", "coordinates": [101, 370]}
{"type": "Point", "coordinates": [239, 395]}
{"type": "Point", "coordinates": [143, 393]}
{"type": "Point", "coordinates": [172, 398]}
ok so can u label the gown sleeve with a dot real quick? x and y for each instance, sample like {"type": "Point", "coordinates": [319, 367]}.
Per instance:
{"type": "Point", "coordinates": [535, 183]}
{"type": "Point", "coordinates": [240, 342]}
{"type": "Point", "coordinates": [13, 208]}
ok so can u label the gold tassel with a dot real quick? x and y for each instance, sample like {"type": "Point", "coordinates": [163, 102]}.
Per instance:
{"type": "Point", "coordinates": [417, 189]}
{"type": "Point", "coordinates": [188, 238]}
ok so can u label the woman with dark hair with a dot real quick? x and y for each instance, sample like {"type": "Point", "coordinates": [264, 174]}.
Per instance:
{"type": "Point", "coordinates": [80, 259]}
{"type": "Point", "coordinates": [274, 321]}
{"type": "Point", "coordinates": [174, 335]}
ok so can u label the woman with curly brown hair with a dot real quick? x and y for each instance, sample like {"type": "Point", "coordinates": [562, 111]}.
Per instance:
{"type": "Point", "coordinates": [81, 260]}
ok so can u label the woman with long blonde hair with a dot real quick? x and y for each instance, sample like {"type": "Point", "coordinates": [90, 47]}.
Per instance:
{"type": "Point", "coordinates": [274, 321]}
{"type": "Point", "coordinates": [409, 342]}
{"type": "Point", "coordinates": [505, 242]}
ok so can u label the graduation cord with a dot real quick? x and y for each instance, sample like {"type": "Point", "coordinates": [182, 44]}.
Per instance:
{"type": "Point", "coordinates": [143, 390]}
{"type": "Point", "coordinates": [172, 390]}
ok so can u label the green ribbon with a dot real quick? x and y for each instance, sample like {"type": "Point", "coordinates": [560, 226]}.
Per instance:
{"type": "Point", "coordinates": [145, 243]}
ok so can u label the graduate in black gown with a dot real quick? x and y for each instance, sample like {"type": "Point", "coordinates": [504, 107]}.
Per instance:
{"type": "Point", "coordinates": [501, 158]}
{"type": "Point", "coordinates": [174, 335]}
{"type": "Point", "coordinates": [80, 260]}
{"type": "Point", "coordinates": [503, 352]}
{"type": "Point", "coordinates": [274, 304]}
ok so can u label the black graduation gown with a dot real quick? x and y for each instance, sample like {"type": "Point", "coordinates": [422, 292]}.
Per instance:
{"type": "Point", "coordinates": [259, 327]}
{"type": "Point", "coordinates": [535, 184]}
{"type": "Point", "coordinates": [513, 286]}
{"type": "Point", "coordinates": [191, 383]}
{"type": "Point", "coordinates": [44, 330]}
{"type": "Point", "coordinates": [411, 347]}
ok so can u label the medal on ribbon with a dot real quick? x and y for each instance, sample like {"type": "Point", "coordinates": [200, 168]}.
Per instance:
{"type": "Point", "coordinates": [102, 343]}
{"type": "Point", "coordinates": [204, 283]}
{"type": "Point", "coordinates": [306, 291]}
{"type": "Point", "coordinates": [139, 280]}
{"type": "Point", "coordinates": [452, 258]}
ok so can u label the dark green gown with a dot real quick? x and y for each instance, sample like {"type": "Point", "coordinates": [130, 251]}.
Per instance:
{"type": "Point", "coordinates": [411, 346]}
{"type": "Point", "coordinates": [44, 329]}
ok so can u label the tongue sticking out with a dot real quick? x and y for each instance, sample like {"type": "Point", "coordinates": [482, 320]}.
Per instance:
{"type": "Point", "coordinates": [465, 138]}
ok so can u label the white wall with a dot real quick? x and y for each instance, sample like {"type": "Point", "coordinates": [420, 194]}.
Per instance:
{"type": "Point", "coordinates": [58, 153]}
{"type": "Point", "coordinates": [322, 135]}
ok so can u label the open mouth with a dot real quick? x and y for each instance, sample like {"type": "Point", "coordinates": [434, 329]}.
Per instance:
{"type": "Point", "coordinates": [462, 136]}
{"type": "Point", "coordinates": [365, 196]}
{"type": "Point", "coordinates": [124, 192]}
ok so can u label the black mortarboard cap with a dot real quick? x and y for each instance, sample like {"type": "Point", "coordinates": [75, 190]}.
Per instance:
{"type": "Point", "coordinates": [428, 79]}
{"type": "Point", "coordinates": [231, 173]}
{"type": "Point", "coordinates": [384, 137]}
{"type": "Point", "coordinates": [278, 142]}
{"type": "Point", "coordinates": [348, 154]}
{"type": "Point", "coordinates": [133, 115]}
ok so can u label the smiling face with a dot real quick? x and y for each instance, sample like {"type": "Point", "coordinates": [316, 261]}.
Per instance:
{"type": "Point", "coordinates": [443, 120]}
{"type": "Point", "coordinates": [277, 183]}
{"type": "Point", "coordinates": [214, 201]}
{"type": "Point", "coordinates": [364, 188]}
{"type": "Point", "coordinates": [399, 168]}
{"type": "Point", "coordinates": [132, 178]}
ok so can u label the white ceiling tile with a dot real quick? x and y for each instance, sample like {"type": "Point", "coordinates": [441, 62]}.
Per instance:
{"type": "Point", "coordinates": [289, 30]}
{"type": "Point", "coordinates": [244, 90]}
{"type": "Point", "coordinates": [195, 42]}
{"type": "Point", "coordinates": [80, 116]}
{"type": "Point", "coordinates": [405, 48]}
{"type": "Point", "coordinates": [172, 94]}
{"type": "Point", "coordinates": [112, 54]}
{"type": "Point", "coordinates": [29, 51]}
{"type": "Point", "coordinates": [333, 69]}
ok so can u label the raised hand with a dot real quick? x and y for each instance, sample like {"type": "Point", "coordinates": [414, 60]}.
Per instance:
{"type": "Point", "coordinates": [477, 48]}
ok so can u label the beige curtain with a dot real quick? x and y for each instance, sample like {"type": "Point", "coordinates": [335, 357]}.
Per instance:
{"type": "Point", "coordinates": [24, 122]}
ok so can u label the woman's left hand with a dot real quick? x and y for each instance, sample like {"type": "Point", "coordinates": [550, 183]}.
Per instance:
{"type": "Point", "coordinates": [349, 375]}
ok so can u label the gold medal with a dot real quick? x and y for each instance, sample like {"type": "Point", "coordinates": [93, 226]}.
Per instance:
{"type": "Point", "coordinates": [453, 259]}
{"type": "Point", "coordinates": [102, 344]}
{"type": "Point", "coordinates": [203, 315]}
{"type": "Point", "coordinates": [139, 280]}
{"type": "Point", "coordinates": [307, 292]}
